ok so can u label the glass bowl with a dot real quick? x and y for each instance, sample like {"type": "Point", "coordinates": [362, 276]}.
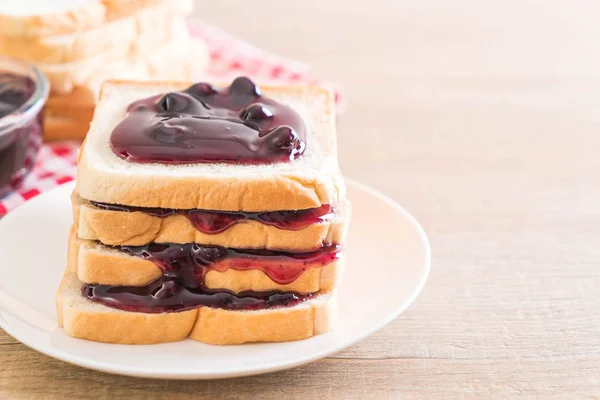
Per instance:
{"type": "Point", "coordinates": [23, 94]}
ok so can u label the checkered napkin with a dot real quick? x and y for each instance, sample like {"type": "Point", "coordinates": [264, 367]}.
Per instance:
{"type": "Point", "coordinates": [231, 56]}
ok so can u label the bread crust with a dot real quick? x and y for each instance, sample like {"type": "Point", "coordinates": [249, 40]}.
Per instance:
{"type": "Point", "coordinates": [93, 14]}
{"type": "Point", "coordinates": [82, 115]}
{"type": "Point", "coordinates": [117, 228]}
{"type": "Point", "coordinates": [64, 128]}
{"type": "Point", "coordinates": [282, 325]}
{"type": "Point", "coordinates": [85, 319]}
{"type": "Point", "coordinates": [81, 97]}
{"type": "Point", "coordinates": [277, 192]}
{"type": "Point", "coordinates": [101, 265]}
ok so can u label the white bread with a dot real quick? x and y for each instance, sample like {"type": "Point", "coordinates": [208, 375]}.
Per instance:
{"type": "Point", "coordinates": [182, 60]}
{"type": "Point", "coordinates": [309, 181]}
{"type": "Point", "coordinates": [80, 97]}
{"type": "Point", "coordinates": [85, 319]}
{"type": "Point", "coordinates": [102, 265]}
{"type": "Point", "coordinates": [64, 128]}
{"type": "Point", "coordinates": [38, 18]}
{"type": "Point", "coordinates": [69, 115]}
{"type": "Point", "coordinates": [117, 228]}
{"type": "Point", "coordinates": [118, 61]}
{"type": "Point", "coordinates": [146, 27]}
{"type": "Point", "coordinates": [75, 115]}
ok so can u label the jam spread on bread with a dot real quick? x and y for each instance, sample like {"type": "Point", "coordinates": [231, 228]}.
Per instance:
{"type": "Point", "coordinates": [190, 262]}
{"type": "Point", "coordinates": [18, 145]}
{"type": "Point", "coordinates": [167, 295]}
{"type": "Point", "coordinates": [213, 222]}
{"type": "Point", "coordinates": [204, 125]}
{"type": "Point", "coordinates": [185, 266]}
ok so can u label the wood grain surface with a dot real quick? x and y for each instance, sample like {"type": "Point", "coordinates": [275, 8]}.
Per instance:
{"type": "Point", "coordinates": [481, 118]}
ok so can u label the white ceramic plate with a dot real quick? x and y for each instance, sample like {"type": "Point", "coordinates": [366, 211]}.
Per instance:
{"type": "Point", "coordinates": [387, 265]}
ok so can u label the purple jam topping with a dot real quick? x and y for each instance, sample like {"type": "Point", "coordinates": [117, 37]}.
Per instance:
{"type": "Point", "coordinates": [204, 125]}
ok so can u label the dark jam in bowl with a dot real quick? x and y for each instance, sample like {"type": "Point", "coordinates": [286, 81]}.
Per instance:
{"type": "Point", "coordinates": [201, 124]}
{"type": "Point", "coordinates": [23, 92]}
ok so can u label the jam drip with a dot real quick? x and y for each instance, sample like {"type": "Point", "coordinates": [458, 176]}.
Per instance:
{"type": "Point", "coordinates": [168, 295]}
{"type": "Point", "coordinates": [201, 124]}
{"type": "Point", "coordinates": [184, 266]}
{"type": "Point", "coordinates": [213, 222]}
{"type": "Point", "coordinates": [188, 263]}
{"type": "Point", "coordinates": [19, 147]}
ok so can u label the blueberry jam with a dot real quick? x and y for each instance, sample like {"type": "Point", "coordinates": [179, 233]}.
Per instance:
{"type": "Point", "coordinates": [168, 295]}
{"type": "Point", "coordinates": [213, 222]}
{"type": "Point", "coordinates": [184, 266]}
{"type": "Point", "coordinates": [189, 263]}
{"type": "Point", "coordinates": [19, 145]}
{"type": "Point", "coordinates": [201, 124]}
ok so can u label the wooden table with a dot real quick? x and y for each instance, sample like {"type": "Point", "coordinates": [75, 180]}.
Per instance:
{"type": "Point", "coordinates": [481, 118]}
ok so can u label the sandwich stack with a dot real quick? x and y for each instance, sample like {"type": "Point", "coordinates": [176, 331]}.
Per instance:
{"type": "Point", "coordinates": [80, 43]}
{"type": "Point", "coordinates": [215, 213]}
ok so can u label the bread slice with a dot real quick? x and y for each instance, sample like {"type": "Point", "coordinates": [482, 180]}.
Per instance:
{"type": "Point", "coordinates": [118, 228]}
{"type": "Point", "coordinates": [39, 18]}
{"type": "Point", "coordinates": [69, 115]}
{"type": "Point", "coordinates": [82, 318]}
{"type": "Point", "coordinates": [116, 61]}
{"type": "Point", "coordinates": [184, 60]}
{"type": "Point", "coordinates": [64, 128]}
{"type": "Point", "coordinates": [81, 115]}
{"type": "Point", "coordinates": [145, 28]}
{"type": "Point", "coordinates": [80, 97]}
{"type": "Point", "coordinates": [309, 181]}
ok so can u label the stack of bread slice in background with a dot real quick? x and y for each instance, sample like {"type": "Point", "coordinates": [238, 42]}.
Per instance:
{"type": "Point", "coordinates": [80, 43]}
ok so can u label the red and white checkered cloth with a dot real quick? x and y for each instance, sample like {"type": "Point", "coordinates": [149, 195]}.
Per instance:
{"type": "Point", "coordinates": [231, 56]}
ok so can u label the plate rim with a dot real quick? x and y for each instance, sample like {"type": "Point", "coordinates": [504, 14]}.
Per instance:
{"type": "Point", "coordinates": [101, 366]}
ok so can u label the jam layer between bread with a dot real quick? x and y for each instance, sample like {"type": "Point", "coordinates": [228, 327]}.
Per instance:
{"type": "Point", "coordinates": [168, 295]}
{"type": "Point", "coordinates": [214, 222]}
{"type": "Point", "coordinates": [188, 263]}
{"type": "Point", "coordinates": [184, 266]}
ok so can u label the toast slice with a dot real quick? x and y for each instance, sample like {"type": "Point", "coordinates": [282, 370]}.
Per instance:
{"type": "Point", "coordinates": [69, 115]}
{"type": "Point", "coordinates": [64, 128]}
{"type": "Point", "coordinates": [117, 228]}
{"type": "Point", "coordinates": [82, 97]}
{"type": "Point", "coordinates": [39, 18]}
{"type": "Point", "coordinates": [171, 61]}
{"type": "Point", "coordinates": [74, 115]}
{"type": "Point", "coordinates": [64, 77]}
{"type": "Point", "coordinates": [310, 181]}
{"type": "Point", "coordinates": [82, 318]}
{"type": "Point", "coordinates": [146, 27]}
